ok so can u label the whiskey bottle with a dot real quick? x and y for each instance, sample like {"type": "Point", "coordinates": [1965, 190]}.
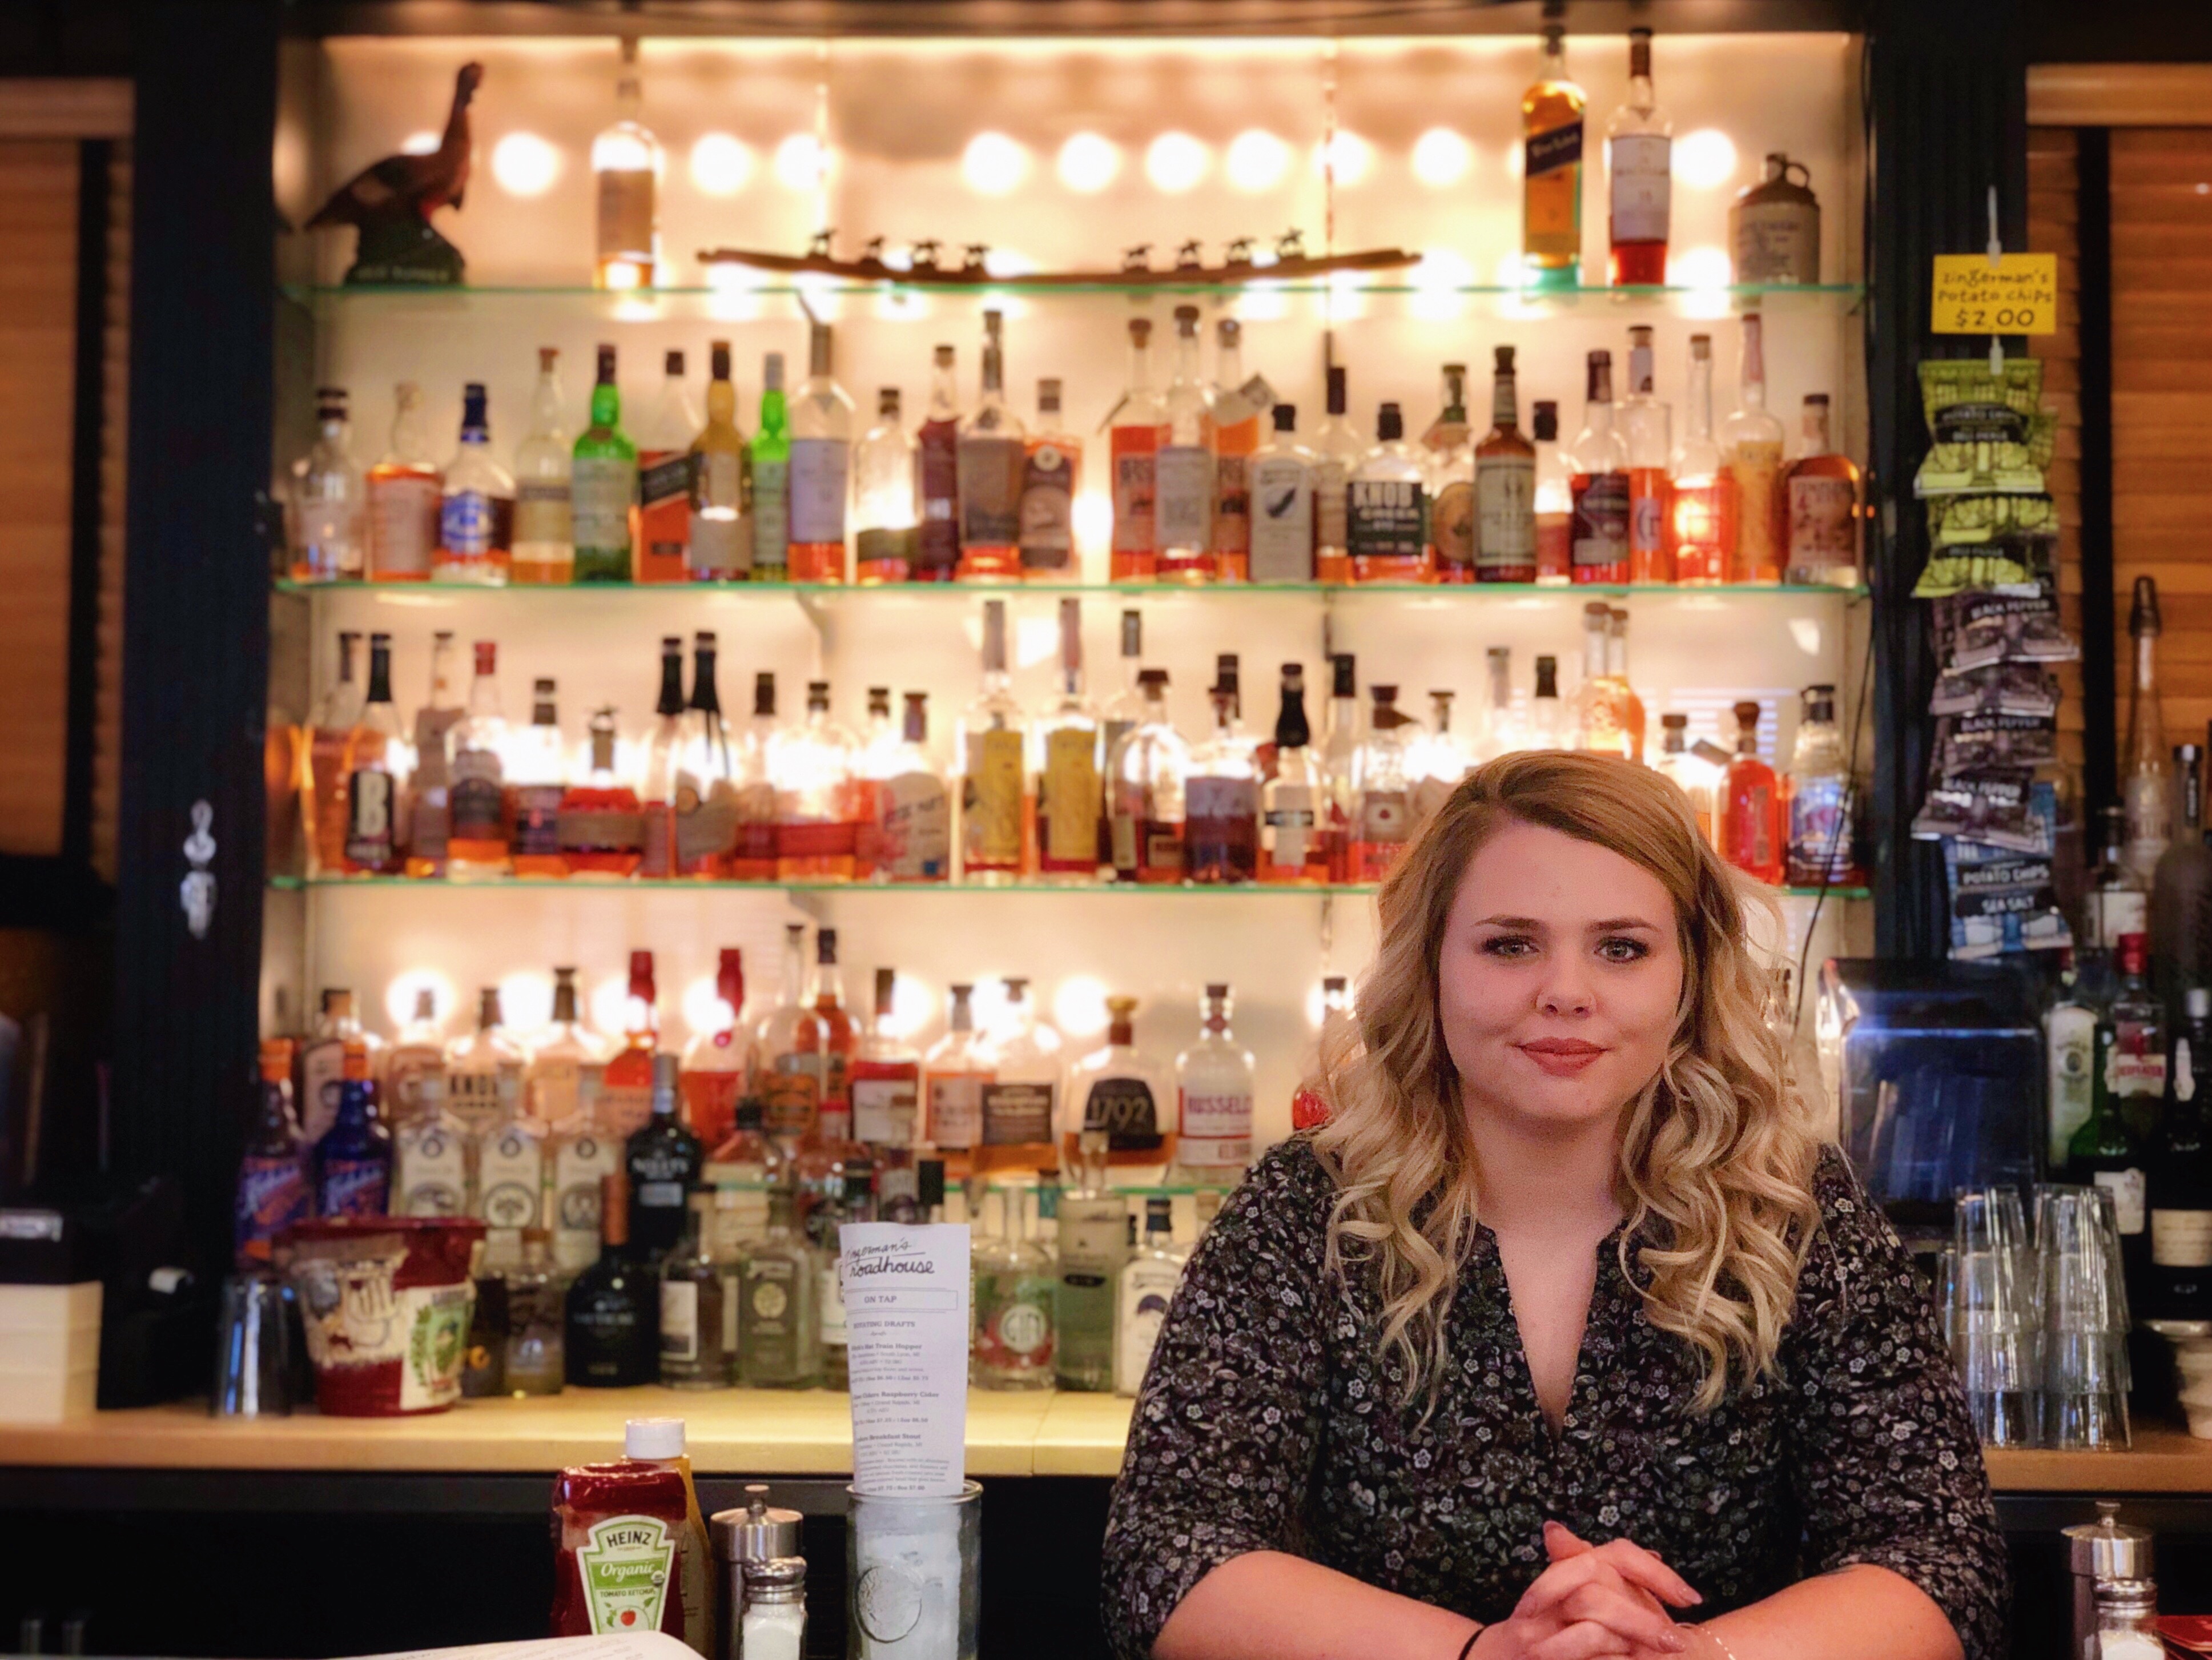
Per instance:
{"type": "Point", "coordinates": [477, 842]}
{"type": "Point", "coordinates": [885, 497]}
{"type": "Point", "coordinates": [625, 1106]}
{"type": "Point", "coordinates": [787, 1054]}
{"type": "Point", "coordinates": [1052, 462]}
{"type": "Point", "coordinates": [912, 833]}
{"type": "Point", "coordinates": [817, 796]}
{"type": "Point", "coordinates": [820, 467]}
{"type": "Point", "coordinates": [1504, 486]}
{"type": "Point", "coordinates": [1438, 761]}
{"type": "Point", "coordinates": [1338, 448]}
{"type": "Point", "coordinates": [713, 1075]}
{"type": "Point", "coordinates": [611, 1324]}
{"type": "Point", "coordinates": [1184, 472]}
{"type": "Point", "coordinates": [567, 1065]}
{"type": "Point", "coordinates": [1213, 1100]}
{"type": "Point", "coordinates": [544, 529]}
{"type": "Point", "coordinates": [1339, 744]}
{"type": "Point", "coordinates": [484, 1071]}
{"type": "Point", "coordinates": [664, 478]}
{"type": "Point", "coordinates": [602, 485]}
{"type": "Point", "coordinates": [330, 736]}
{"type": "Point", "coordinates": [1068, 746]}
{"type": "Point", "coordinates": [1221, 798]}
{"type": "Point", "coordinates": [1280, 475]}
{"type": "Point", "coordinates": [719, 548]}
{"type": "Point", "coordinates": [1451, 481]}
{"type": "Point", "coordinates": [475, 508]}
{"type": "Point", "coordinates": [705, 820]}
{"type": "Point", "coordinates": [694, 1354]}
{"type": "Point", "coordinates": [583, 1159]}
{"type": "Point", "coordinates": [1144, 776]}
{"type": "Point", "coordinates": [885, 1081]}
{"type": "Point", "coordinates": [1120, 1090]}
{"type": "Point", "coordinates": [1599, 532]}
{"type": "Point", "coordinates": [1751, 443]}
{"type": "Point", "coordinates": [353, 1160]}
{"type": "Point", "coordinates": [1639, 175]}
{"type": "Point", "coordinates": [403, 491]}
{"type": "Point", "coordinates": [1116, 720]}
{"type": "Point", "coordinates": [1237, 408]}
{"type": "Point", "coordinates": [1690, 772]}
{"type": "Point", "coordinates": [1819, 789]}
{"type": "Point", "coordinates": [1552, 170]}
{"type": "Point", "coordinates": [1386, 517]}
{"type": "Point", "coordinates": [835, 1119]}
{"type": "Point", "coordinates": [954, 1075]}
{"type": "Point", "coordinates": [1555, 497]}
{"type": "Point", "coordinates": [1294, 802]}
{"type": "Point", "coordinates": [772, 478]}
{"type": "Point", "coordinates": [752, 858]}
{"type": "Point", "coordinates": [377, 763]}
{"type": "Point", "coordinates": [1381, 791]}
{"type": "Point", "coordinates": [626, 169]}
{"type": "Point", "coordinates": [1501, 730]}
{"type": "Point", "coordinates": [537, 779]}
{"type": "Point", "coordinates": [327, 525]}
{"type": "Point", "coordinates": [990, 454]}
{"type": "Point", "coordinates": [1751, 832]}
{"type": "Point", "coordinates": [429, 809]}
{"type": "Point", "coordinates": [1701, 518]}
{"type": "Point", "coordinates": [779, 1329]}
{"type": "Point", "coordinates": [1601, 708]}
{"type": "Point", "coordinates": [416, 1058]}
{"type": "Point", "coordinates": [600, 826]}
{"type": "Point", "coordinates": [1137, 424]}
{"type": "Point", "coordinates": [1019, 1103]}
{"type": "Point", "coordinates": [663, 1160]}
{"type": "Point", "coordinates": [1821, 506]}
{"type": "Point", "coordinates": [322, 1063]}
{"type": "Point", "coordinates": [992, 766]}
{"type": "Point", "coordinates": [1647, 429]}
{"type": "Point", "coordinates": [664, 753]}
{"type": "Point", "coordinates": [938, 445]}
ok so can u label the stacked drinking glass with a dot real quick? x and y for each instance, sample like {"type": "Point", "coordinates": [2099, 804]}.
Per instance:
{"type": "Point", "coordinates": [2084, 1318]}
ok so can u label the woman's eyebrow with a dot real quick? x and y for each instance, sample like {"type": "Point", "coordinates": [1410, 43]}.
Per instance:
{"type": "Point", "coordinates": [1613, 924]}
{"type": "Point", "coordinates": [1529, 923]}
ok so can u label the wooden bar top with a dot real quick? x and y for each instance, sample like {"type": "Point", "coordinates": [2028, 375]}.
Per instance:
{"type": "Point", "coordinates": [809, 1432]}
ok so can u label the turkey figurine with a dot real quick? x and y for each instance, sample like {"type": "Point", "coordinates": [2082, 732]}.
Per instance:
{"type": "Point", "coordinates": [390, 203]}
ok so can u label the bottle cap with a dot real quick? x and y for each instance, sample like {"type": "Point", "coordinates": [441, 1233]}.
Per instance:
{"type": "Point", "coordinates": [2134, 953]}
{"type": "Point", "coordinates": [2197, 1002]}
{"type": "Point", "coordinates": [2108, 1549]}
{"type": "Point", "coordinates": [654, 1437]}
{"type": "Point", "coordinates": [755, 1531]}
{"type": "Point", "coordinates": [929, 1175]}
{"type": "Point", "coordinates": [1545, 422]}
{"type": "Point", "coordinates": [1287, 418]}
{"type": "Point", "coordinates": [779, 1579]}
{"type": "Point", "coordinates": [1389, 424]}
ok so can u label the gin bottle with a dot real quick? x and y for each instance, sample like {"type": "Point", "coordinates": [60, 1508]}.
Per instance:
{"type": "Point", "coordinates": [1184, 472]}
{"type": "Point", "coordinates": [1013, 1300]}
{"type": "Point", "coordinates": [403, 496]}
{"type": "Point", "coordinates": [1144, 1288]}
{"type": "Point", "coordinates": [885, 497]}
{"type": "Point", "coordinates": [476, 509]}
{"type": "Point", "coordinates": [476, 844]}
{"type": "Point", "coordinates": [483, 1070]}
{"type": "Point", "coordinates": [954, 1074]}
{"type": "Point", "coordinates": [992, 762]}
{"type": "Point", "coordinates": [611, 1334]}
{"type": "Point", "coordinates": [779, 1328]}
{"type": "Point", "coordinates": [663, 1160]}
{"type": "Point", "coordinates": [991, 452]}
{"type": "Point", "coordinates": [1051, 465]}
{"type": "Point", "coordinates": [1145, 783]}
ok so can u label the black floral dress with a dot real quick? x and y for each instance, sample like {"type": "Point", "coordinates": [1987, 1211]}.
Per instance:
{"type": "Point", "coordinates": [1268, 1421]}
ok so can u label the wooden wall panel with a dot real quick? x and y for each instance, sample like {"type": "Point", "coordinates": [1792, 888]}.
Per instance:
{"type": "Point", "coordinates": [37, 302]}
{"type": "Point", "coordinates": [107, 723]}
{"type": "Point", "coordinates": [2052, 198]}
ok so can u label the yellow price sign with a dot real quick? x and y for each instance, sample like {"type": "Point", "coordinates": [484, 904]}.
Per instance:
{"type": "Point", "coordinates": [2018, 296]}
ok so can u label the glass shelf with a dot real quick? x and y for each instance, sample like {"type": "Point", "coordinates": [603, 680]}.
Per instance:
{"type": "Point", "coordinates": [883, 593]}
{"type": "Point", "coordinates": [1085, 890]}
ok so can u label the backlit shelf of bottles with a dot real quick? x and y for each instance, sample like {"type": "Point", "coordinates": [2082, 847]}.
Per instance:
{"type": "Point", "coordinates": [1064, 890]}
{"type": "Point", "coordinates": [881, 594]}
{"type": "Point", "coordinates": [738, 303]}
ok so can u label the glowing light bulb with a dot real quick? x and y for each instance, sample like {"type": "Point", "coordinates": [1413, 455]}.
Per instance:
{"type": "Point", "coordinates": [419, 143]}
{"type": "Point", "coordinates": [1442, 157]}
{"type": "Point", "coordinates": [1093, 517]}
{"type": "Point", "coordinates": [1347, 156]}
{"type": "Point", "coordinates": [610, 1004]}
{"type": "Point", "coordinates": [1706, 267]}
{"type": "Point", "coordinates": [721, 165]}
{"type": "Point", "coordinates": [399, 996]}
{"type": "Point", "coordinates": [1705, 159]}
{"type": "Point", "coordinates": [703, 1007]}
{"type": "Point", "coordinates": [914, 1006]}
{"type": "Point", "coordinates": [526, 1000]}
{"type": "Point", "coordinates": [1079, 1006]}
{"type": "Point", "coordinates": [525, 164]}
{"type": "Point", "coordinates": [800, 161]}
{"type": "Point", "coordinates": [1257, 160]}
{"type": "Point", "coordinates": [1176, 161]}
{"type": "Point", "coordinates": [1088, 163]}
{"type": "Point", "coordinates": [993, 164]}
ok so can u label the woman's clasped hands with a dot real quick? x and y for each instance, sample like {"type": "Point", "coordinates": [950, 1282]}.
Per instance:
{"type": "Point", "coordinates": [1593, 1600]}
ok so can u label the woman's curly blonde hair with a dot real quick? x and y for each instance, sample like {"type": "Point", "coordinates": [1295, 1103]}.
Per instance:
{"type": "Point", "coordinates": [1716, 1154]}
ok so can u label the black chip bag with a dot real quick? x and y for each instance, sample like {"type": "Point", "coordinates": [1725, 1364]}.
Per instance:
{"type": "Point", "coordinates": [1989, 807]}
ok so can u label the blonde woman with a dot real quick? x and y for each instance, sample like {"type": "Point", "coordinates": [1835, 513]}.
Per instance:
{"type": "Point", "coordinates": [1564, 1337]}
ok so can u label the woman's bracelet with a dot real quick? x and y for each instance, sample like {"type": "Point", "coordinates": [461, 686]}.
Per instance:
{"type": "Point", "coordinates": [1713, 1637]}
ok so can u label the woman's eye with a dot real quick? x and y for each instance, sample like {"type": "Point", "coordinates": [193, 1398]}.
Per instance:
{"type": "Point", "coordinates": [1624, 950]}
{"type": "Point", "coordinates": [1508, 946]}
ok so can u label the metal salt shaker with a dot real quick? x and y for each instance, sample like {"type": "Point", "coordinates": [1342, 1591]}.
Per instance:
{"type": "Point", "coordinates": [2111, 1565]}
{"type": "Point", "coordinates": [757, 1532]}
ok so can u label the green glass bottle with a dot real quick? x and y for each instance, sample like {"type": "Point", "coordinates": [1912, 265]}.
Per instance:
{"type": "Point", "coordinates": [772, 478]}
{"type": "Point", "coordinates": [602, 485]}
{"type": "Point", "coordinates": [2106, 1152]}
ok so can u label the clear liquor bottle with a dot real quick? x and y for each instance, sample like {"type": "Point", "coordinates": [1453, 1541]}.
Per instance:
{"type": "Point", "coordinates": [1555, 497]}
{"type": "Point", "coordinates": [1184, 471]}
{"type": "Point", "coordinates": [1070, 766]}
{"type": "Point", "coordinates": [1144, 1289]}
{"type": "Point", "coordinates": [478, 844]}
{"type": "Point", "coordinates": [856, 1202]}
{"type": "Point", "coordinates": [1598, 533]}
{"type": "Point", "coordinates": [787, 1048]}
{"type": "Point", "coordinates": [840, 1036]}
{"type": "Point", "coordinates": [1381, 791]}
{"type": "Point", "coordinates": [772, 438]}
{"type": "Point", "coordinates": [694, 1350]}
{"type": "Point", "coordinates": [1549, 727]}
{"type": "Point", "coordinates": [2146, 781]}
{"type": "Point", "coordinates": [1751, 821]}
{"type": "Point", "coordinates": [939, 445]}
{"type": "Point", "coordinates": [1821, 506]}
{"type": "Point", "coordinates": [1701, 518]}
{"type": "Point", "coordinates": [601, 825]}
{"type": "Point", "coordinates": [664, 1160]}
{"type": "Point", "coordinates": [1440, 758]}
{"type": "Point", "coordinates": [1052, 464]}
{"type": "Point", "coordinates": [816, 813]}
{"type": "Point", "coordinates": [1338, 448]}
{"type": "Point", "coordinates": [1144, 777]}
{"type": "Point", "coordinates": [713, 1075]}
{"type": "Point", "coordinates": [1014, 1287]}
{"type": "Point", "coordinates": [510, 1162]}
{"type": "Point", "coordinates": [611, 1316]}
{"type": "Point", "coordinates": [953, 1077]}
{"type": "Point", "coordinates": [328, 524]}
{"type": "Point", "coordinates": [537, 779]}
{"type": "Point", "coordinates": [886, 497]}
{"type": "Point", "coordinates": [414, 1065]}
{"type": "Point", "coordinates": [1690, 772]}
{"type": "Point", "coordinates": [2181, 891]}
{"type": "Point", "coordinates": [1647, 427]}
{"type": "Point", "coordinates": [886, 1081]}
{"type": "Point", "coordinates": [1020, 1103]}
{"type": "Point", "coordinates": [626, 1083]}
{"type": "Point", "coordinates": [704, 822]}
{"type": "Point", "coordinates": [1450, 457]}
{"type": "Point", "coordinates": [2118, 902]}
{"type": "Point", "coordinates": [1221, 796]}
{"type": "Point", "coordinates": [753, 858]}
{"type": "Point", "coordinates": [1340, 737]}
{"type": "Point", "coordinates": [820, 467]}
{"type": "Point", "coordinates": [1121, 1091]}
{"type": "Point", "coordinates": [879, 748]}
{"type": "Point", "coordinates": [1136, 431]}
{"type": "Point", "coordinates": [1552, 170]}
{"type": "Point", "coordinates": [429, 806]}
{"type": "Point", "coordinates": [404, 486]}
{"type": "Point", "coordinates": [1294, 802]}
{"type": "Point", "coordinates": [992, 766]}
{"type": "Point", "coordinates": [1213, 1100]}
{"type": "Point", "coordinates": [1118, 717]}
{"type": "Point", "coordinates": [720, 548]}
{"type": "Point", "coordinates": [1504, 486]}
{"type": "Point", "coordinates": [1386, 507]}
{"type": "Point", "coordinates": [561, 1079]}
{"type": "Point", "coordinates": [664, 752]}
{"type": "Point", "coordinates": [911, 834]}
{"type": "Point", "coordinates": [602, 485]}
{"type": "Point", "coordinates": [476, 508]}
{"type": "Point", "coordinates": [1639, 175]}
{"type": "Point", "coordinates": [1751, 444]}
{"type": "Point", "coordinates": [484, 1071]}
{"type": "Point", "coordinates": [433, 1166]}
{"type": "Point", "coordinates": [1280, 475]}
{"type": "Point", "coordinates": [1235, 435]}
{"type": "Point", "coordinates": [778, 1327]}
{"type": "Point", "coordinates": [1616, 670]}
{"type": "Point", "coordinates": [1819, 787]}
{"type": "Point", "coordinates": [378, 760]}
{"type": "Point", "coordinates": [544, 529]}
{"type": "Point", "coordinates": [990, 453]}
{"type": "Point", "coordinates": [1094, 1244]}
{"type": "Point", "coordinates": [1501, 730]}
{"type": "Point", "coordinates": [582, 1158]}
{"type": "Point", "coordinates": [627, 163]}
{"type": "Point", "coordinates": [664, 478]}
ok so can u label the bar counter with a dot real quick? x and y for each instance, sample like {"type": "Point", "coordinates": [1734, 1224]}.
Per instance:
{"type": "Point", "coordinates": [779, 1433]}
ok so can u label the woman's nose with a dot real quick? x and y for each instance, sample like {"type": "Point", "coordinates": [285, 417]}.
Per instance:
{"type": "Point", "coordinates": [1566, 991]}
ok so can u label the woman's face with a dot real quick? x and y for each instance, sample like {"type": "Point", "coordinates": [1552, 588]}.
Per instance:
{"type": "Point", "coordinates": [1560, 978]}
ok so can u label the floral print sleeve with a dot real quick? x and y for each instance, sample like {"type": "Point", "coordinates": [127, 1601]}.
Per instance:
{"type": "Point", "coordinates": [1222, 1443]}
{"type": "Point", "coordinates": [1886, 1465]}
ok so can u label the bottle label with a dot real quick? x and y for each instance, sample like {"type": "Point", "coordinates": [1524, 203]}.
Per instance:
{"type": "Point", "coordinates": [1292, 826]}
{"type": "Point", "coordinates": [1216, 1128]}
{"type": "Point", "coordinates": [2181, 1238]}
{"type": "Point", "coordinates": [371, 801]}
{"type": "Point", "coordinates": [1133, 452]}
{"type": "Point", "coordinates": [1757, 470]}
{"type": "Point", "coordinates": [578, 1162]}
{"type": "Point", "coordinates": [1047, 507]}
{"type": "Point", "coordinates": [940, 496]}
{"type": "Point", "coordinates": [771, 519]}
{"type": "Point", "coordinates": [1331, 511]}
{"type": "Point", "coordinates": [2073, 1034]}
{"type": "Point", "coordinates": [1016, 1114]}
{"type": "Point", "coordinates": [664, 516]}
{"type": "Point", "coordinates": [1014, 1322]}
{"type": "Point", "coordinates": [1505, 514]}
{"type": "Point", "coordinates": [1068, 798]}
{"type": "Point", "coordinates": [1600, 532]}
{"type": "Point", "coordinates": [272, 1194]}
{"type": "Point", "coordinates": [477, 1096]}
{"type": "Point", "coordinates": [791, 1094]}
{"type": "Point", "coordinates": [883, 1112]}
{"type": "Point", "coordinates": [1776, 242]}
{"type": "Point", "coordinates": [2127, 1188]}
{"type": "Point", "coordinates": [2120, 911]}
{"type": "Point", "coordinates": [1642, 164]}
{"type": "Point", "coordinates": [1183, 495]}
{"type": "Point", "coordinates": [679, 1321]}
{"type": "Point", "coordinates": [887, 551]}
{"type": "Point", "coordinates": [1221, 827]}
{"type": "Point", "coordinates": [1823, 522]}
{"type": "Point", "coordinates": [1124, 1108]}
{"type": "Point", "coordinates": [403, 524]}
{"type": "Point", "coordinates": [1551, 191]}
{"type": "Point", "coordinates": [1647, 517]}
{"type": "Point", "coordinates": [955, 1112]}
{"type": "Point", "coordinates": [1384, 518]}
{"type": "Point", "coordinates": [624, 1108]}
{"type": "Point", "coordinates": [629, 1565]}
{"type": "Point", "coordinates": [431, 1172]}
{"type": "Point", "coordinates": [991, 798]}
{"type": "Point", "coordinates": [1821, 831]}
{"type": "Point", "coordinates": [914, 827]}
{"type": "Point", "coordinates": [664, 478]}
{"type": "Point", "coordinates": [542, 514]}
{"type": "Point", "coordinates": [769, 1296]}
{"type": "Point", "coordinates": [1282, 520]}
{"type": "Point", "coordinates": [538, 820]}
{"type": "Point", "coordinates": [476, 797]}
{"type": "Point", "coordinates": [321, 1075]}
{"type": "Point", "coordinates": [1452, 529]}
{"type": "Point", "coordinates": [1232, 494]}
{"type": "Point", "coordinates": [1383, 821]}
{"type": "Point", "coordinates": [1147, 1290]}
{"type": "Point", "coordinates": [820, 468]}
{"type": "Point", "coordinates": [353, 1187]}
{"type": "Point", "coordinates": [721, 532]}
{"type": "Point", "coordinates": [706, 819]}
{"type": "Point", "coordinates": [598, 829]}
{"type": "Point", "coordinates": [511, 1171]}
{"type": "Point", "coordinates": [468, 524]}
{"type": "Point", "coordinates": [829, 1306]}
{"type": "Point", "coordinates": [990, 471]}
{"type": "Point", "coordinates": [2136, 1065]}
{"type": "Point", "coordinates": [601, 491]}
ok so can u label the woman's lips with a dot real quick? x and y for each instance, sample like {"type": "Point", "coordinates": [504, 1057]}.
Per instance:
{"type": "Point", "coordinates": [1561, 1057]}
